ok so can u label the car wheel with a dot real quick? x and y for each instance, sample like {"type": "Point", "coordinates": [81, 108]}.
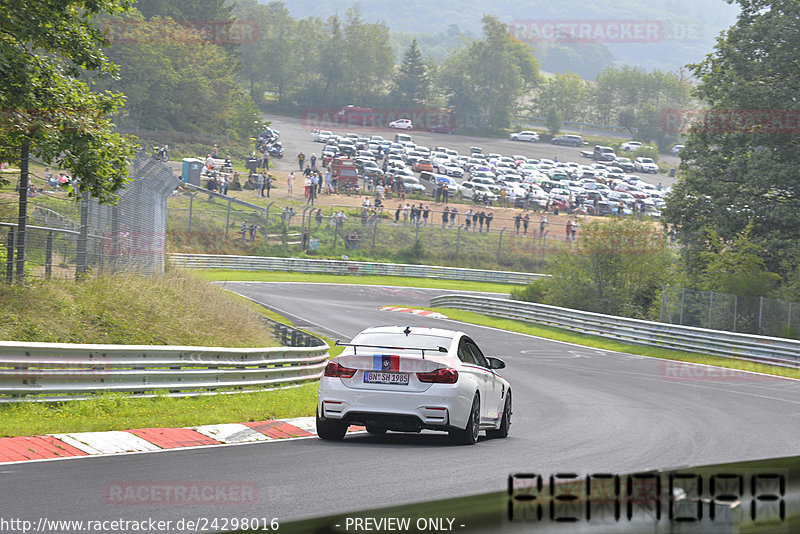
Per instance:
{"type": "Point", "coordinates": [331, 430]}
{"type": "Point", "coordinates": [376, 429]}
{"type": "Point", "coordinates": [505, 422]}
{"type": "Point", "coordinates": [469, 435]}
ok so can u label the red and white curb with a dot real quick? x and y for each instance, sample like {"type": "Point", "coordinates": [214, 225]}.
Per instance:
{"type": "Point", "coordinates": [49, 447]}
{"type": "Point", "coordinates": [426, 313]}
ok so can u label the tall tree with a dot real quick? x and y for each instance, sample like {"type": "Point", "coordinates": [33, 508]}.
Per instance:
{"type": "Point", "coordinates": [485, 80]}
{"type": "Point", "coordinates": [741, 157]}
{"type": "Point", "coordinates": [411, 81]}
{"type": "Point", "coordinates": [47, 111]}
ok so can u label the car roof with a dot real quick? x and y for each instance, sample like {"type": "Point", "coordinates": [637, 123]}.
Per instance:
{"type": "Point", "coordinates": [440, 332]}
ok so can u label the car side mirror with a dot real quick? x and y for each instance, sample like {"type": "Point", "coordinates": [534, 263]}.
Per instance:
{"type": "Point", "coordinates": [496, 363]}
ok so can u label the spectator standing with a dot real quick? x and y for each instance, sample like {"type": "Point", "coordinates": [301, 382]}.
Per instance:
{"type": "Point", "coordinates": [517, 221]}
{"type": "Point", "coordinates": [318, 217]}
{"type": "Point", "coordinates": [445, 213]}
{"type": "Point", "coordinates": [260, 181]}
{"type": "Point", "coordinates": [468, 219]}
{"type": "Point", "coordinates": [301, 160]}
{"type": "Point", "coordinates": [445, 193]}
{"type": "Point", "coordinates": [313, 161]}
{"type": "Point", "coordinates": [542, 225]}
{"type": "Point", "coordinates": [489, 217]}
{"type": "Point", "coordinates": [453, 214]}
{"type": "Point", "coordinates": [481, 218]}
{"type": "Point", "coordinates": [268, 184]}
{"type": "Point", "coordinates": [305, 239]}
{"type": "Point", "coordinates": [526, 220]}
{"type": "Point", "coordinates": [307, 184]}
{"type": "Point", "coordinates": [397, 213]}
{"type": "Point", "coordinates": [569, 229]}
{"type": "Point", "coordinates": [312, 191]}
{"type": "Point", "coordinates": [290, 183]}
{"type": "Point", "coordinates": [425, 212]}
{"type": "Point", "coordinates": [214, 152]}
{"type": "Point", "coordinates": [574, 229]}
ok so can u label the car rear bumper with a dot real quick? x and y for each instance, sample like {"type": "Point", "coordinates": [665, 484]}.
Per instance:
{"type": "Point", "coordinates": [440, 407]}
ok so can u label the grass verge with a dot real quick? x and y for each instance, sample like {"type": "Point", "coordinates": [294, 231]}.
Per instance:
{"type": "Point", "coordinates": [598, 342]}
{"type": "Point", "coordinates": [279, 276]}
{"type": "Point", "coordinates": [174, 309]}
{"type": "Point", "coordinates": [123, 412]}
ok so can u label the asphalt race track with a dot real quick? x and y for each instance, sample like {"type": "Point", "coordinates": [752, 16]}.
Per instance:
{"type": "Point", "coordinates": [575, 410]}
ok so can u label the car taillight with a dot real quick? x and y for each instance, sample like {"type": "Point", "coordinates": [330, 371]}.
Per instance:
{"type": "Point", "coordinates": [334, 369]}
{"type": "Point", "coordinates": [439, 376]}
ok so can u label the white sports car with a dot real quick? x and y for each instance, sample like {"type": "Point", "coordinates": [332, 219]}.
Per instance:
{"type": "Point", "coordinates": [411, 378]}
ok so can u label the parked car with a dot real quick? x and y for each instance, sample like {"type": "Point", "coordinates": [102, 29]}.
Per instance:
{"type": "Point", "coordinates": [412, 184]}
{"type": "Point", "coordinates": [630, 146]}
{"type": "Point", "coordinates": [603, 153]}
{"type": "Point", "coordinates": [625, 164]}
{"type": "Point", "coordinates": [527, 135]}
{"type": "Point", "coordinates": [423, 165]}
{"type": "Point", "coordinates": [676, 150]}
{"type": "Point", "coordinates": [642, 164]}
{"type": "Point", "coordinates": [321, 136]}
{"type": "Point", "coordinates": [402, 124]}
{"type": "Point", "coordinates": [568, 139]}
{"type": "Point", "coordinates": [472, 189]}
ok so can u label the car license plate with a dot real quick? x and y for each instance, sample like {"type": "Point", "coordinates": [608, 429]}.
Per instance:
{"type": "Point", "coordinates": [400, 379]}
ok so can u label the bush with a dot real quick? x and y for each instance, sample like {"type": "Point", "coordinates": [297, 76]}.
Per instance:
{"type": "Point", "coordinates": [536, 291]}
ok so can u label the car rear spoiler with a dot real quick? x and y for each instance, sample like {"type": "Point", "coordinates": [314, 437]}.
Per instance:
{"type": "Point", "coordinates": [354, 345]}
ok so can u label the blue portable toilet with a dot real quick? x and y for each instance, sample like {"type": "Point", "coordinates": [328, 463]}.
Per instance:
{"type": "Point", "coordinates": [190, 173]}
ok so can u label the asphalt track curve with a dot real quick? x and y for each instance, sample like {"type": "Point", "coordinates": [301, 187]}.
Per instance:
{"type": "Point", "coordinates": [576, 409]}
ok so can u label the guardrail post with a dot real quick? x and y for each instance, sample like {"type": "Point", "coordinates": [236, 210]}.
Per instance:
{"type": "Point", "coordinates": [228, 217]}
{"type": "Point", "coordinates": [191, 202]}
{"type": "Point", "coordinates": [48, 255]}
{"type": "Point", "coordinates": [710, 308]}
{"type": "Point", "coordinates": [266, 223]}
{"type": "Point", "coordinates": [500, 244]}
{"type": "Point", "coordinates": [10, 256]}
{"type": "Point", "coordinates": [83, 240]}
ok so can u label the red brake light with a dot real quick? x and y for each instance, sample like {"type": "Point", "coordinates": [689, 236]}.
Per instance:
{"type": "Point", "coordinates": [439, 376]}
{"type": "Point", "coordinates": [334, 369]}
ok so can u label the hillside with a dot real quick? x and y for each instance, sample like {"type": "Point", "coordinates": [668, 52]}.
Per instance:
{"type": "Point", "coordinates": [690, 26]}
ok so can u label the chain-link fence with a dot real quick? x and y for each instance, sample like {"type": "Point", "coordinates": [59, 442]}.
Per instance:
{"type": "Point", "coordinates": [206, 222]}
{"type": "Point", "coordinates": [721, 311]}
{"type": "Point", "coordinates": [67, 237]}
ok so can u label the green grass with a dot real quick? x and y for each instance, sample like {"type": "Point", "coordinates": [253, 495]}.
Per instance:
{"type": "Point", "coordinates": [123, 412]}
{"type": "Point", "coordinates": [173, 309]}
{"type": "Point", "coordinates": [276, 276]}
{"type": "Point", "coordinates": [598, 342]}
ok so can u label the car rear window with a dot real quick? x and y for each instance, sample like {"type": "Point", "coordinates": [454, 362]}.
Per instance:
{"type": "Point", "coordinates": [399, 340]}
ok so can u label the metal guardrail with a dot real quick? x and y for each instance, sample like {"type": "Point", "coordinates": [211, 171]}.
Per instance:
{"type": "Point", "coordinates": [761, 349]}
{"type": "Point", "coordinates": [49, 372]}
{"type": "Point", "coordinates": [342, 267]}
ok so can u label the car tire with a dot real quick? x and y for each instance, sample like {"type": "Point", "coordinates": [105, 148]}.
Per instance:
{"type": "Point", "coordinates": [505, 422]}
{"type": "Point", "coordinates": [331, 430]}
{"type": "Point", "coordinates": [469, 435]}
{"type": "Point", "coordinates": [376, 430]}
